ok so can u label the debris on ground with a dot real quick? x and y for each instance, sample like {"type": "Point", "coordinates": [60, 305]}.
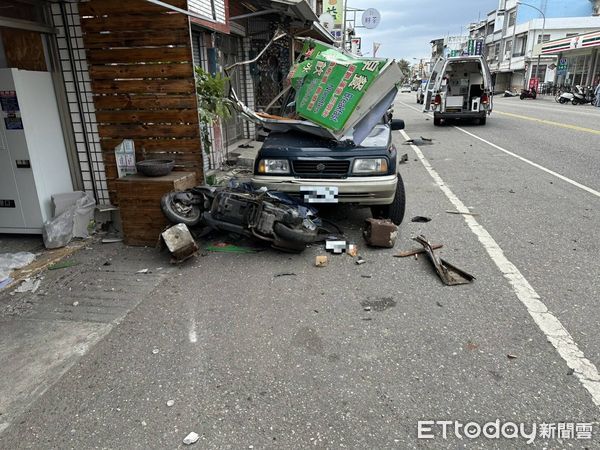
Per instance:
{"type": "Point", "coordinates": [191, 438]}
{"type": "Point", "coordinates": [63, 265]}
{"type": "Point", "coordinates": [143, 271]}
{"type": "Point", "coordinates": [571, 371]}
{"type": "Point", "coordinates": [464, 213]}
{"type": "Point", "coordinates": [360, 261]}
{"type": "Point", "coordinates": [403, 159]}
{"type": "Point", "coordinates": [335, 245]}
{"type": "Point", "coordinates": [284, 274]}
{"type": "Point", "coordinates": [170, 403]}
{"type": "Point", "coordinates": [380, 232]}
{"type": "Point", "coordinates": [180, 242]}
{"type": "Point", "coordinates": [10, 261]}
{"type": "Point", "coordinates": [154, 351]}
{"type": "Point", "coordinates": [111, 240]}
{"type": "Point", "coordinates": [448, 273]}
{"type": "Point", "coordinates": [378, 305]}
{"type": "Point", "coordinates": [472, 346]}
{"type": "Point", "coordinates": [321, 260]}
{"type": "Point", "coordinates": [224, 247]}
{"type": "Point", "coordinates": [418, 142]}
{"type": "Point", "coordinates": [75, 303]}
{"type": "Point", "coordinates": [416, 251]}
{"type": "Point", "coordinates": [366, 276]}
{"type": "Point", "coordinates": [352, 250]}
{"type": "Point", "coordinates": [510, 356]}
{"type": "Point", "coordinates": [29, 285]}
{"type": "Point", "coordinates": [421, 219]}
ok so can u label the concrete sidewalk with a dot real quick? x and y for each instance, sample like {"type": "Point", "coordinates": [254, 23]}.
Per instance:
{"type": "Point", "coordinates": [43, 334]}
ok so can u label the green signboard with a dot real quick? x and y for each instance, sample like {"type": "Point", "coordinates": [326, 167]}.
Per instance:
{"type": "Point", "coordinates": [471, 47]}
{"type": "Point", "coordinates": [329, 84]}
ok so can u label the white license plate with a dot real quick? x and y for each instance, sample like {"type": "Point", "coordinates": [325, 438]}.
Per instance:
{"type": "Point", "coordinates": [320, 194]}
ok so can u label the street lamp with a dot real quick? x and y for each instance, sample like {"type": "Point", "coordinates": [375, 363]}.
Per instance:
{"type": "Point", "coordinates": [537, 67]}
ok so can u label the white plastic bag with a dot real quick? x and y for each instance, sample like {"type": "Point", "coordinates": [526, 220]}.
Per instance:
{"type": "Point", "coordinates": [58, 231]}
{"type": "Point", "coordinates": [10, 261]}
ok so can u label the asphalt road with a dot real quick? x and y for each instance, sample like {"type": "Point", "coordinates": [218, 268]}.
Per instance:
{"type": "Point", "coordinates": [256, 360]}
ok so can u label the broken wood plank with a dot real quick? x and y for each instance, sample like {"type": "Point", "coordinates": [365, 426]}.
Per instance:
{"type": "Point", "coordinates": [416, 251]}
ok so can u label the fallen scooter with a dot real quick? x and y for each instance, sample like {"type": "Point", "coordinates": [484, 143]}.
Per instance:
{"type": "Point", "coordinates": [268, 216]}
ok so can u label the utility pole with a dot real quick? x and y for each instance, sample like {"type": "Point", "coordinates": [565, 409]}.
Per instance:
{"type": "Point", "coordinates": [537, 67]}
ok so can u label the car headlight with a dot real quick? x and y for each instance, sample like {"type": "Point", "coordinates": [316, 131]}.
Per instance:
{"type": "Point", "coordinates": [370, 166]}
{"type": "Point", "coordinates": [274, 166]}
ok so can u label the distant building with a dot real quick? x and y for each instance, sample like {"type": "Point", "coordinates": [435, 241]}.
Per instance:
{"type": "Point", "coordinates": [512, 35]}
{"type": "Point", "coordinates": [437, 49]}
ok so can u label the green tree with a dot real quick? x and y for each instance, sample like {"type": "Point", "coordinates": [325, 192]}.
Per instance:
{"type": "Point", "coordinates": [404, 67]}
{"type": "Point", "coordinates": [212, 102]}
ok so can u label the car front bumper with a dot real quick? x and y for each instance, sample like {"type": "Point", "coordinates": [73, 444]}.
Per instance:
{"type": "Point", "coordinates": [366, 191]}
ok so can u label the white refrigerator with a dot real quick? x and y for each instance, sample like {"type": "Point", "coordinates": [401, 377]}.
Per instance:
{"type": "Point", "coordinates": [33, 157]}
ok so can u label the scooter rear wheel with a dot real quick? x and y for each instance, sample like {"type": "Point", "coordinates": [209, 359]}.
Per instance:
{"type": "Point", "coordinates": [177, 213]}
{"type": "Point", "coordinates": [296, 236]}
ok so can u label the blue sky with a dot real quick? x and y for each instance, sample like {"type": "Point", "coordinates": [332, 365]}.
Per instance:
{"type": "Point", "coordinates": [407, 26]}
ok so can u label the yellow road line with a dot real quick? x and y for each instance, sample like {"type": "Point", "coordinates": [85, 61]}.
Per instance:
{"type": "Point", "coordinates": [549, 122]}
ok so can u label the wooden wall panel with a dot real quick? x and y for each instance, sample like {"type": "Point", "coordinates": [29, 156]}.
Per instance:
{"type": "Point", "coordinates": [139, 71]}
{"type": "Point", "coordinates": [142, 80]}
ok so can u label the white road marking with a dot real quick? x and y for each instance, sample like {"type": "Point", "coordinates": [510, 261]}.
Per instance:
{"type": "Point", "coordinates": [525, 160]}
{"type": "Point", "coordinates": [536, 165]}
{"type": "Point", "coordinates": [193, 335]}
{"type": "Point", "coordinates": [556, 107]}
{"type": "Point", "coordinates": [557, 335]}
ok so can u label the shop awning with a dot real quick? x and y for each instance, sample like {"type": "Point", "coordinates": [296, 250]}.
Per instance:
{"type": "Point", "coordinates": [581, 41]}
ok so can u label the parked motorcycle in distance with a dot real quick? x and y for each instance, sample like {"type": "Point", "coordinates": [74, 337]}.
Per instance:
{"type": "Point", "coordinates": [565, 97]}
{"type": "Point", "coordinates": [528, 93]}
{"type": "Point", "coordinates": [582, 96]}
{"type": "Point", "coordinates": [268, 216]}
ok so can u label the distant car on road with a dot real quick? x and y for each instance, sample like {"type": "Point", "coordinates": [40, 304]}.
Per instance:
{"type": "Point", "coordinates": [459, 88]}
{"type": "Point", "coordinates": [406, 88]}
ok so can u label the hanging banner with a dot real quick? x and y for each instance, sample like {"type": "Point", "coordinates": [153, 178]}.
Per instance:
{"type": "Point", "coordinates": [336, 8]}
{"type": "Point", "coordinates": [330, 84]}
